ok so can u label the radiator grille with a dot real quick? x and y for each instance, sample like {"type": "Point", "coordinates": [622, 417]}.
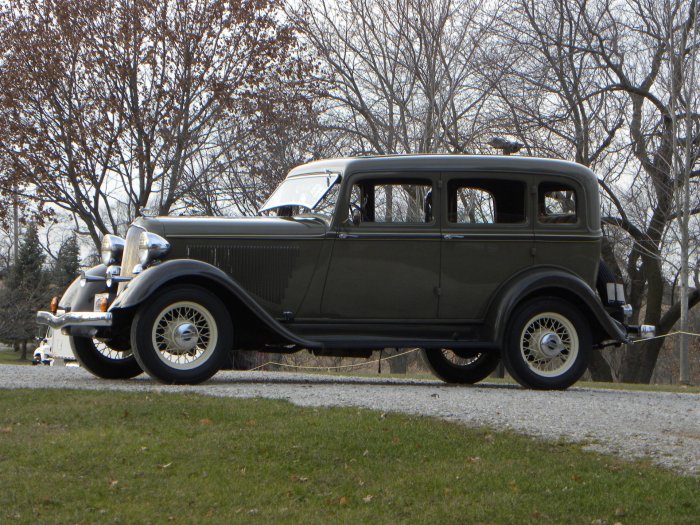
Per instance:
{"type": "Point", "coordinates": [130, 257]}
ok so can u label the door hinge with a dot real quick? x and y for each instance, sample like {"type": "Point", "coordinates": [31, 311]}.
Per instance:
{"type": "Point", "coordinates": [438, 291]}
{"type": "Point", "coordinates": [533, 251]}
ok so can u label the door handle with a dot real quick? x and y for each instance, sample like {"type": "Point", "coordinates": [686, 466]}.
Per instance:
{"type": "Point", "coordinates": [449, 236]}
{"type": "Point", "coordinates": [347, 236]}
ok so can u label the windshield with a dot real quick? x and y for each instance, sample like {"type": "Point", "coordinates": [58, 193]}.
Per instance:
{"type": "Point", "coordinates": [306, 191]}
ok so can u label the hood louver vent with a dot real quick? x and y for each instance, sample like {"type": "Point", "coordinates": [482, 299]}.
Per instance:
{"type": "Point", "coordinates": [263, 271]}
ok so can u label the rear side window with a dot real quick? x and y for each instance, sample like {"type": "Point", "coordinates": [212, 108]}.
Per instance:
{"type": "Point", "coordinates": [475, 206]}
{"type": "Point", "coordinates": [485, 201]}
{"type": "Point", "coordinates": [557, 203]}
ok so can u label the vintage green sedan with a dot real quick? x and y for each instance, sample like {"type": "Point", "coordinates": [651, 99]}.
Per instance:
{"type": "Point", "coordinates": [472, 258]}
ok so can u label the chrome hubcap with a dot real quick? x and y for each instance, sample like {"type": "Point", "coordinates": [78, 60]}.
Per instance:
{"type": "Point", "coordinates": [185, 337]}
{"type": "Point", "coordinates": [551, 345]}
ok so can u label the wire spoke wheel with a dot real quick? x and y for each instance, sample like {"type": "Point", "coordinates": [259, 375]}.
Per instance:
{"type": "Point", "coordinates": [101, 360]}
{"type": "Point", "coordinates": [110, 353]}
{"type": "Point", "coordinates": [184, 334]}
{"type": "Point", "coordinates": [460, 358]}
{"type": "Point", "coordinates": [549, 344]}
{"type": "Point", "coordinates": [462, 366]}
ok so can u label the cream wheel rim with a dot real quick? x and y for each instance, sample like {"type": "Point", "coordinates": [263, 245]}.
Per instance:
{"type": "Point", "coordinates": [549, 344]}
{"type": "Point", "coordinates": [454, 359]}
{"type": "Point", "coordinates": [110, 353]}
{"type": "Point", "coordinates": [184, 335]}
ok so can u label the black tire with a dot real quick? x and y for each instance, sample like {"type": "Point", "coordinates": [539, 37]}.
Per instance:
{"type": "Point", "coordinates": [466, 369]}
{"type": "Point", "coordinates": [104, 362]}
{"type": "Point", "coordinates": [168, 355]}
{"type": "Point", "coordinates": [526, 354]}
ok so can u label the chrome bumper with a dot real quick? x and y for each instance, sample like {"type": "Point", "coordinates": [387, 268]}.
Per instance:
{"type": "Point", "coordinates": [74, 319]}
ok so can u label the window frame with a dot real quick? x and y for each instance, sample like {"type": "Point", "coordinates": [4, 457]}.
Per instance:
{"type": "Point", "coordinates": [563, 185]}
{"type": "Point", "coordinates": [464, 177]}
{"type": "Point", "coordinates": [416, 177]}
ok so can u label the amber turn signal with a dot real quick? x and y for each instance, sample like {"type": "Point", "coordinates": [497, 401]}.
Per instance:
{"type": "Point", "coordinates": [54, 305]}
{"type": "Point", "coordinates": [103, 304]}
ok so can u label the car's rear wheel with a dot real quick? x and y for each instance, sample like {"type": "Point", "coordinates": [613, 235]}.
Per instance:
{"type": "Point", "coordinates": [548, 344]}
{"type": "Point", "coordinates": [182, 336]}
{"type": "Point", "coordinates": [458, 366]}
{"type": "Point", "coordinates": [105, 362]}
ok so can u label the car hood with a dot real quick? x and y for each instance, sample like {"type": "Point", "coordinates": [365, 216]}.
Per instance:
{"type": "Point", "coordinates": [234, 226]}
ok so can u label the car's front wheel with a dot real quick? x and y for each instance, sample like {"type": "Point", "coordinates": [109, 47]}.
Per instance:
{"type": "Point", "coordinates": [548, 344]}
{"type": "Point", "coordinates": [458, 366]}
{"type": "Point", "coordinates": [182, 336]}
{"type": "Point", "coordinates": [101, 360]}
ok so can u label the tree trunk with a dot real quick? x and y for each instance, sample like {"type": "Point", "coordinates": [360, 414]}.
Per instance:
{"type": "Point", "coordinates": [638, 365]}
{"type": "Point", "coordinates": [640, 368]}
{"type": "Point", "coordinates": [398, 365]}
{"type": "Point", "coordinates": [599, 368]}
{"type": "Point", "coordinates": [23, 357]}
{"type": "Point", "coordinates": [247, 359]}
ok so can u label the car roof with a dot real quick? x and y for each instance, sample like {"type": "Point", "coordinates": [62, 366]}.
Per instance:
{"type": "Point", "coordinates": [510, 163]}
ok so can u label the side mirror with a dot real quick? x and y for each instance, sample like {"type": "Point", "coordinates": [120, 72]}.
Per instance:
{"type": "Point", "coordinates": [356, 217]}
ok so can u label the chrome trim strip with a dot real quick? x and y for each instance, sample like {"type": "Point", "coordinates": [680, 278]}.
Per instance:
{"type": "Point", "coordinates": [196, 236]}
{"type": "Point", "coordinates": [74, 319]}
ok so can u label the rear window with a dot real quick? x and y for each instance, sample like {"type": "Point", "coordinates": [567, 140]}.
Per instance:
{"type": "Point", "coordinates": [557, 204]}
{"type": "Point", "coordinates": [486, 201]}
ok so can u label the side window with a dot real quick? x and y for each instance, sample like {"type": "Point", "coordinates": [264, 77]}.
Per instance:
{"type": "Point", "coordinates": [486, 201]}
{"type": "Point", "coordinates": [557, 203]}
{"type": "Point", "coordinates": [393, 201]}
{"type": "Point", "coordinates": [475, 206]}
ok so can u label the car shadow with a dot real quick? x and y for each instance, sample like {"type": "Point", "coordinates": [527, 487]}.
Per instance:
{"type": "Point", "coordinates": [305, 379]}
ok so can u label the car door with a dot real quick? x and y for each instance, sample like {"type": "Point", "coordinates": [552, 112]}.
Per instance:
{"type": "Point", "coordinates": [386, 263]}
{"type": "Point", "coordinates": [487, 238]}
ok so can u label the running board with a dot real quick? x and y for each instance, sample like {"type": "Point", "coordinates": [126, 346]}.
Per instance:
{"type": "Point", "coordinates": [378, 343]}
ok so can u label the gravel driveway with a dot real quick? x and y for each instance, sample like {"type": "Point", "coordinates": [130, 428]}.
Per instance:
{"type": "Point", "coordinates": [662, 426]}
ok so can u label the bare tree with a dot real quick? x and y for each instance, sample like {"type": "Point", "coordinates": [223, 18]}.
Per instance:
{"type": "Point", "coordinates": [404, 76]}
{"type": "Point", "coordinates": [111, 107]}
{"type": "Point", "coordinates": [588, 81]}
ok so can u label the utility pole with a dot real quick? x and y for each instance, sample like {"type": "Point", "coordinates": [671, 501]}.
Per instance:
{"type": "Point", "coordinates": [691, 94]}
{"type": "Point", "coordinates": [15, 227]}
{"type": "Point", "coordinates": [686, 93]}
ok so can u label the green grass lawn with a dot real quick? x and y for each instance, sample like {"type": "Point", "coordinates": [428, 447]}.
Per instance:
{"type": "Point", "coordinates": [9, 357]}
{"type": "Point", "coordinates": [87, 457]}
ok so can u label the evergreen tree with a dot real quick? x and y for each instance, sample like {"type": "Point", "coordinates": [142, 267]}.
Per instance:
{"type": "Point", "coordinates": [67, 264]}
{"type": "Point", "coordinates": [24, 292]}
{"type": "Point", "coordinates": [28, 270]}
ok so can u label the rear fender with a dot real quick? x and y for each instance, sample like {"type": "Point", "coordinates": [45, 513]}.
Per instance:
{"type": "Point", "coordinates": [550, 281]}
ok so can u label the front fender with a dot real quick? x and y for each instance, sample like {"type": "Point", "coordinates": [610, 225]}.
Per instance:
{"type": "Point", "coordinates": [549, 281]}
{"type": "Point", "coordinates": [80, 297]}
{"type": "Point", "coordinates": [145, 284]}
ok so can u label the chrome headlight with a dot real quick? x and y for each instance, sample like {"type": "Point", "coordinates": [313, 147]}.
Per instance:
{"type": "Point", "coordinates": [152, 246]}
{"type": "Point", "coordinates": [111, 249]}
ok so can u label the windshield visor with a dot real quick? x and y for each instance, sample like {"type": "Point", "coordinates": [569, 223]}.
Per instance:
{"type": "Point", "coordinates": [305, 191]}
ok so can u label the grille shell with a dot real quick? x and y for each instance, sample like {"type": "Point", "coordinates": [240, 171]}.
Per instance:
{"type": "Point", "coordinates": [130, 257]}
